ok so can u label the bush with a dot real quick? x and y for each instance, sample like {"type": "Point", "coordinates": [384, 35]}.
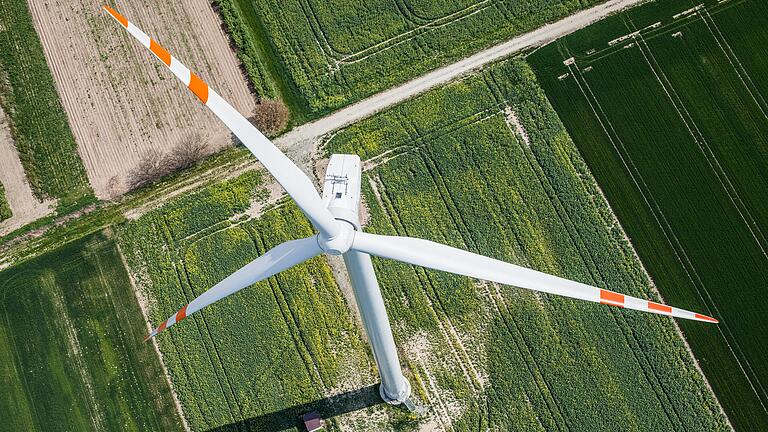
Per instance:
{"type": "Point", "coordinates": [153, 165]}
{"type": "Point", "coordinates": [271, 117]}
{"type": "Point", "coordinates": [188, 152]}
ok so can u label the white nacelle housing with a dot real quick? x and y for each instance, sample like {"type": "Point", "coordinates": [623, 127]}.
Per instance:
{"type": "Point", "coordinates": [341, 188]}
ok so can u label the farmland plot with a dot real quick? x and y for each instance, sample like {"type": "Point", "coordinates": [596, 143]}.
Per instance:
{"type": "Point", "coordinates": [258, 359]}
{"type": "Point", "coordinates": [71, 356]}
{"type": "Point", "coordinates": [324, 55]}
{"type": "Point", "coordinates": [673, 121]}
{"type": "Point", "coordinates": [23, 206]}
{"type": "Point", "coordinates": [120, 101]}
{"type": "Point", "coordinates": [453, 166]}
{"type": "Point", "coordinates": [35, 118]}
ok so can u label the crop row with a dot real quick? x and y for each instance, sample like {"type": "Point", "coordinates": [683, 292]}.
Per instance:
{"type": "Point", "coordinates": [5, 209]}
{"type": "Point", "coordinates": [37, 120]}
{"type": "Point", "coordinates": [550, 361]}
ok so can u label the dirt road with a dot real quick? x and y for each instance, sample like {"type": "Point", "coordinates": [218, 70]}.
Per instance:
{"type": "Point", "coordinates": [120, 101]}
{"type": "Point", "coordinates": [299, 141]}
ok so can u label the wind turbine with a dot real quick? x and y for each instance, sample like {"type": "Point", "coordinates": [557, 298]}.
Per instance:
{"type": "Point", "coordinates": [336, 216]}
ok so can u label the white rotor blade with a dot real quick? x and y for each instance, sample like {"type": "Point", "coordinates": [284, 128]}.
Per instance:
{"type": "Point", "coordinates": [277, 259]}
{"type": "Point", "coordinates": [290, 177]}
{"type": "Point", "coordinates": [446, 258]}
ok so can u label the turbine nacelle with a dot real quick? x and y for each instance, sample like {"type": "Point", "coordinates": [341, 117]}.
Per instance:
{"type": "Point", "coordinates": [341, 196]}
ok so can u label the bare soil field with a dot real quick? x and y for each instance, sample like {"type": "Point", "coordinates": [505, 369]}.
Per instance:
{"type": "Point", "coordinates": [120, 101]}
{"type": "Point", "coordinates": [25, 207]}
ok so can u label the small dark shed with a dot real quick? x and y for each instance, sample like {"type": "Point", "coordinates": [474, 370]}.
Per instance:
{"type": "Point", "coordinates": [312, 421]}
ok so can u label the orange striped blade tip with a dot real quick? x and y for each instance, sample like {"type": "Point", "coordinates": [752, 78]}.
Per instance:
{"type": "Point", "coordinates": [706, 318]}
{"type": "Point", "coordinates": [121, 19]}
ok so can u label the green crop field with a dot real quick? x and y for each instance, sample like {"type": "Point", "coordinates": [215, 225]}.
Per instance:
{"type": "Point", "coordinates": [71, 356]}
{"type": "Point", "coordinates": [37, 120]}
{"type": "Point", "coordinates": [5, 209]}
{"type": "Point", "coordinates": [322, 55]}
{"type": "Point", "coordinates": [454, 166]}
{"type": "Point", "coordinates": [668, 106]}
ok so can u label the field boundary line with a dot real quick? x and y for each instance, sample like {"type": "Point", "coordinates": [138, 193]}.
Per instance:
{"type": "Point", "coordinates": [148, 327]}
{"type": "Point", "coordinates": [701, 142]}
{"type": "Point", "coordinates": [705, 14]}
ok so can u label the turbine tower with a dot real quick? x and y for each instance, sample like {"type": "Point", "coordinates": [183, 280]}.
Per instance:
{"type": "Point", "coordinates": [336, 216]}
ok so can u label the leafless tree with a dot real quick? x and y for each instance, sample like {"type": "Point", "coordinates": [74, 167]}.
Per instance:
{"type": "Point", "coordinates": [271, 116]}
{"type": "Point", "coordinates": [190, 150]}
{"type": "Point", "coordinates": [151, 167]}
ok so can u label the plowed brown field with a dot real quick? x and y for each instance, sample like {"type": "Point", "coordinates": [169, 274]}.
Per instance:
{"type": "Point", "coordinates": [120, 100]}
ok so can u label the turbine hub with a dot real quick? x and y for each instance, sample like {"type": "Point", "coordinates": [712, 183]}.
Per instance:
{"type": "Point", "coordinates": [339, 243]}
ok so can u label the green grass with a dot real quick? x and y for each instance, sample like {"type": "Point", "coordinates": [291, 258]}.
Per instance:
{"type": "Point", "coordinates": [460, 174]}
{"type": "Point", "coordinates": [71, 351]}
{"type": "Point", "coordinates": [674, 127]}
{"type": "Point", "coordinates": [5, 209]}
{"type": "Point", "coordinates": [37, 120]}
{"type": "Point", "coordinates": [325, 55]}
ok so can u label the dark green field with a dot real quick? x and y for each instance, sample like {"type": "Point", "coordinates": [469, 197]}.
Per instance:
{"type": "Point", "coordinates": [673, 122]}
{"type": "Point", "coordinates": [71, 351]}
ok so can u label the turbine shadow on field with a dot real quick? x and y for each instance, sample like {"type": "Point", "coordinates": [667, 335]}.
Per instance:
{"type": "Point", "coordinates": [291, 417]}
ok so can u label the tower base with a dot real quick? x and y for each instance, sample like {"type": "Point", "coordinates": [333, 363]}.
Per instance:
{"type": "Point", "coordinates": [406, 399]}
{"type": "Point", "coordinates": [396, 399]}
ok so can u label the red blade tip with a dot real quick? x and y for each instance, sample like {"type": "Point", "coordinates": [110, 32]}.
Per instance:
{"type": "Point", "coordinates": [706, 318]}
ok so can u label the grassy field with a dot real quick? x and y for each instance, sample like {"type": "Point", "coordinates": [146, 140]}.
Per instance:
{"type": "Point", "coordinates": [673, 121]}
{"type": "Point", "coordinates": [71, 356]}
{"type": "Point", "coordinates": [485, 164]}
{"type": "Point", "coordinates": [324, 55]}
{"type": "Point", "coordinates": [38, 123]}
{"type": "Point", "coordinates": [5, 209]}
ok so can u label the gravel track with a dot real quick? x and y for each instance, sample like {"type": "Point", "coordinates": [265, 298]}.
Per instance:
{"type": "Point", "coordinates": [301, 140]}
